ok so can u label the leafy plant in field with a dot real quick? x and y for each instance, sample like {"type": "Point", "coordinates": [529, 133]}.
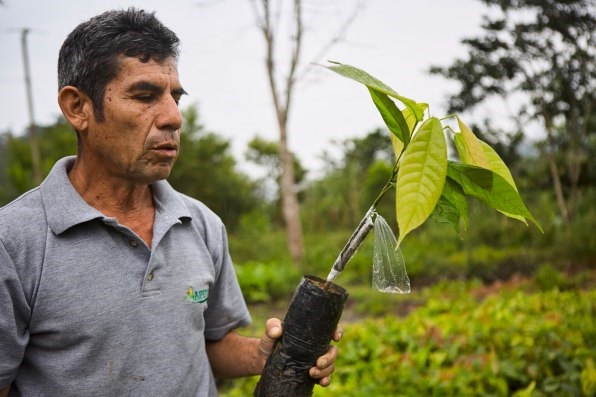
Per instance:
{"type": "Point", "coordinates": [264, 282]}
{"type": "Point", "coordinates": [511, 343]}
{"type": "Point", "coordinates": [427, 183]}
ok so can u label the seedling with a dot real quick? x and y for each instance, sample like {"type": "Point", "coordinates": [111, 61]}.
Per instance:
{"type": "Point", "coordinates": [429, 184]}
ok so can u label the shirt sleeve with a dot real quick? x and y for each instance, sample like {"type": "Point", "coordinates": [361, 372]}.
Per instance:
{"type": "Point", "coordinates": [226, 306]}
{"type": "Point", "coordinates": [14, 317]}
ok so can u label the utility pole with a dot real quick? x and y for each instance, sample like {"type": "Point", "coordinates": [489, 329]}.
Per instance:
{"type": "Point", "coordinates": [35, 152]}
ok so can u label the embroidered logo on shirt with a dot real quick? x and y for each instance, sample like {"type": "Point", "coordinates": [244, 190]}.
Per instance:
{"type": "Point", "coordinates": [197, 296]}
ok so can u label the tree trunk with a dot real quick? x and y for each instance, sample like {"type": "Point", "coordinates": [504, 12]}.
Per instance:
{"type": "Point", "coordinates": [558, 188]}
{"type": "Point", "coordinates": [554, 168]}
{"type": "Point", "coordinates": [282, 104]}
{"type": "Point", "coordinates": [282, 101]}
{"type": "Point", "coordinates": [290, 206]}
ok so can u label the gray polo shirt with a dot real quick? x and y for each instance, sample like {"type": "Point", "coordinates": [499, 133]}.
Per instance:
{"type": "Point", "coordinates": [87, 309]}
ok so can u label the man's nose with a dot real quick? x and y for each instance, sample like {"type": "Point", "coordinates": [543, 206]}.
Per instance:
{"type": "Point", "coordinates": [170, 116]}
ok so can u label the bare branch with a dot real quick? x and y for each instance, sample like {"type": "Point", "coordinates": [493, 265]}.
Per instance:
{"type": "Point", "coordinates": [297, 41]}
{"type": "Point", "coordinates": [338, 37]}
{"type": "Point", "coordinates": [264, 20]}
{"type": "Point", "coordinates": [267, 21]}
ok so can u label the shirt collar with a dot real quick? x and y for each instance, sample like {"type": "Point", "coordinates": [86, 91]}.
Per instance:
{"type": "Point", "coordinates": [66, 208]}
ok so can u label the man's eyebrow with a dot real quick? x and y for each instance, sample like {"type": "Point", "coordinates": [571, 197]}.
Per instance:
{"type": "Point", "coordinates": [148, 86]}
{"type": "Point", "coordinates": [144, 86]}
{"type": "Point", "coordinates": [179, 92]}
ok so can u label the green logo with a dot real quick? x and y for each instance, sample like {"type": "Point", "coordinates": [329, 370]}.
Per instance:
{"type": "Point", "coordinates": [197, 296]}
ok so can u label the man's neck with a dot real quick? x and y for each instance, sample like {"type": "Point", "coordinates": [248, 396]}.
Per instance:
{"type": "Point", "coordinates": [131, 204]}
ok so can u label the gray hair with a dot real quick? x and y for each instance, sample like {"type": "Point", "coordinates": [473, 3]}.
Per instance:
{"type": "Point", "coordinates": [88, 58]}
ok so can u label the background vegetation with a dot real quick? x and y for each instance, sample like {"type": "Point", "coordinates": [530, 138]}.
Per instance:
{"type": "Point", "coordinates": [463, 338]}
{"type": "Point", "coordinates": [499, 309]}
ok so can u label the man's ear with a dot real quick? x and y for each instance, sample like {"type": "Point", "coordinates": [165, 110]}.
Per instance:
{"type": "Point", "coordinates": [76, 107]}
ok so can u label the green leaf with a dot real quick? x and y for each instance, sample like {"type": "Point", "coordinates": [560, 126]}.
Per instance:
{"type": "Point", "coordinates": [446, 212]}
{"type": "Point", "coordinates": [527, 392]}
{"type": "Point", "coordinates": [393, 117]}
{"type": "Point", "coordinates": [411, 123]}
{"type": "Point", "coordinates": [492, 189]}
{"type": "Point", "coordinates": [363, 77]}
{"type": "Point", "coordinates": [411, 120]}
{"type": "Point", "coordinates": [497, 165]}
{"type": "Point", "coordinates": [454, 205]}
{"type": "Point", "coordinates": [421, 177]}
{"type": "Point", "coordinates": [398, 146]}
{"type": "Point", "coordinates": [473, 151]}
{"type": "Point", "coordinates": [469, 147]}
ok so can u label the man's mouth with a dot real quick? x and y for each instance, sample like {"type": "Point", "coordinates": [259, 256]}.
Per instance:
{"type": "Point", "coordinates": [166, 150]}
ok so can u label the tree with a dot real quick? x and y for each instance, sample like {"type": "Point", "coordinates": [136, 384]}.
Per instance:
{"type": "Point", "coordinates": [266, 155]}
{"type": "Point", "coordinates": [544, 49]}
{"type": "Point", "coordinates": [55, 141]}
{"type": "Point", "coordinates": [351, 182]}
{"type": "Point", "coordinates": [7, 190]}
{"type": "Point", "coordinates": [205, 169]}
{"type": "Point", "coordinates": [267, 16]}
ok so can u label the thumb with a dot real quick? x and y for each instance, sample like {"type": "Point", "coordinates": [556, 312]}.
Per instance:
{"type": "Point", "coordinates": [273, 331]}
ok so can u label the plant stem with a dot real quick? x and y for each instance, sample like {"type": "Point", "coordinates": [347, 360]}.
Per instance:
{"type": "Point", "coordinates": [362, 230]}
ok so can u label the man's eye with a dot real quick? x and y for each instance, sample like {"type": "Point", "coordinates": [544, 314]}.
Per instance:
{"type": "Point", "coordinates": [145, 98]}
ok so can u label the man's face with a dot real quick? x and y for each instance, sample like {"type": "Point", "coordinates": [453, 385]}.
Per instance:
{"type": "Point", "coordinates": [140, 136]}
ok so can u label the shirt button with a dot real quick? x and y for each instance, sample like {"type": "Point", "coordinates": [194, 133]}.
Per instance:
{"type": "Point", "coordinates": [133, 243]}
{"type": "Point", "coordinates": [150, 276]}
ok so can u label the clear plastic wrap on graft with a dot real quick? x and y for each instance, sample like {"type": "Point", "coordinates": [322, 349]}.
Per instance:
{"type": "Point", "coordinates": [389, 268]}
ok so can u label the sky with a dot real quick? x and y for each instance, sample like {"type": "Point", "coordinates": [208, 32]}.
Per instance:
{"type": "Point", "coordinates": [222, 63]}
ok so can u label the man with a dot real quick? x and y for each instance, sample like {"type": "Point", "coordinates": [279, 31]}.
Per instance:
{"type": "Point", "coordinates": [111, 282]}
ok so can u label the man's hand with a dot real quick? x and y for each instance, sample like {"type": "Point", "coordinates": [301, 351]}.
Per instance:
{"type": "Point", "coordinates": [325, 364]}
{"type": "Point", "coordinates": [272, 334]}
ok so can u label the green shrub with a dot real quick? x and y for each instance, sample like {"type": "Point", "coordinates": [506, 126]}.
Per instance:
{"type": "Point", "coordinates": [508, 343]}
{"type": "Point", "coordinates": [466, 339]}
{"type": "Point", "coordinates": [264, 282]}
{"type": "Point", "coordinates": [548, 277]}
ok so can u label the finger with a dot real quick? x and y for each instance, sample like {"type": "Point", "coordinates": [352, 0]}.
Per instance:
{"type": "Point", "coordinates": [325, 365]}
{"type": "Point", "coordinates": [339, 332]}
{"type": "Point", "coordinates": [325, 381]}
{"type": "Point", "coordinates": [328, 358]}
{"type": "Point", "coordinates": [273, 331]}
{"type": "Point", "coordinates": [273, 328]}
{"type": "Point", "coordinates": [321, 374]}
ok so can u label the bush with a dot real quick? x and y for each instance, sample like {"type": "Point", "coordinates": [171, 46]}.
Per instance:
{"type": "Point", "coordinates": [468, 339]}
{"type": "Point", "coordinates": [265, 282]}
{"type": "Point", "coordinates": [505, 344]}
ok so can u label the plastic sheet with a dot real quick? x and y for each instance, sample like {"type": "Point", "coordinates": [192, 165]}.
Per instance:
{"type": "Point", "coordinates": [309, 324]}
{"type": "Point", "coordinates": [389, 268]}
